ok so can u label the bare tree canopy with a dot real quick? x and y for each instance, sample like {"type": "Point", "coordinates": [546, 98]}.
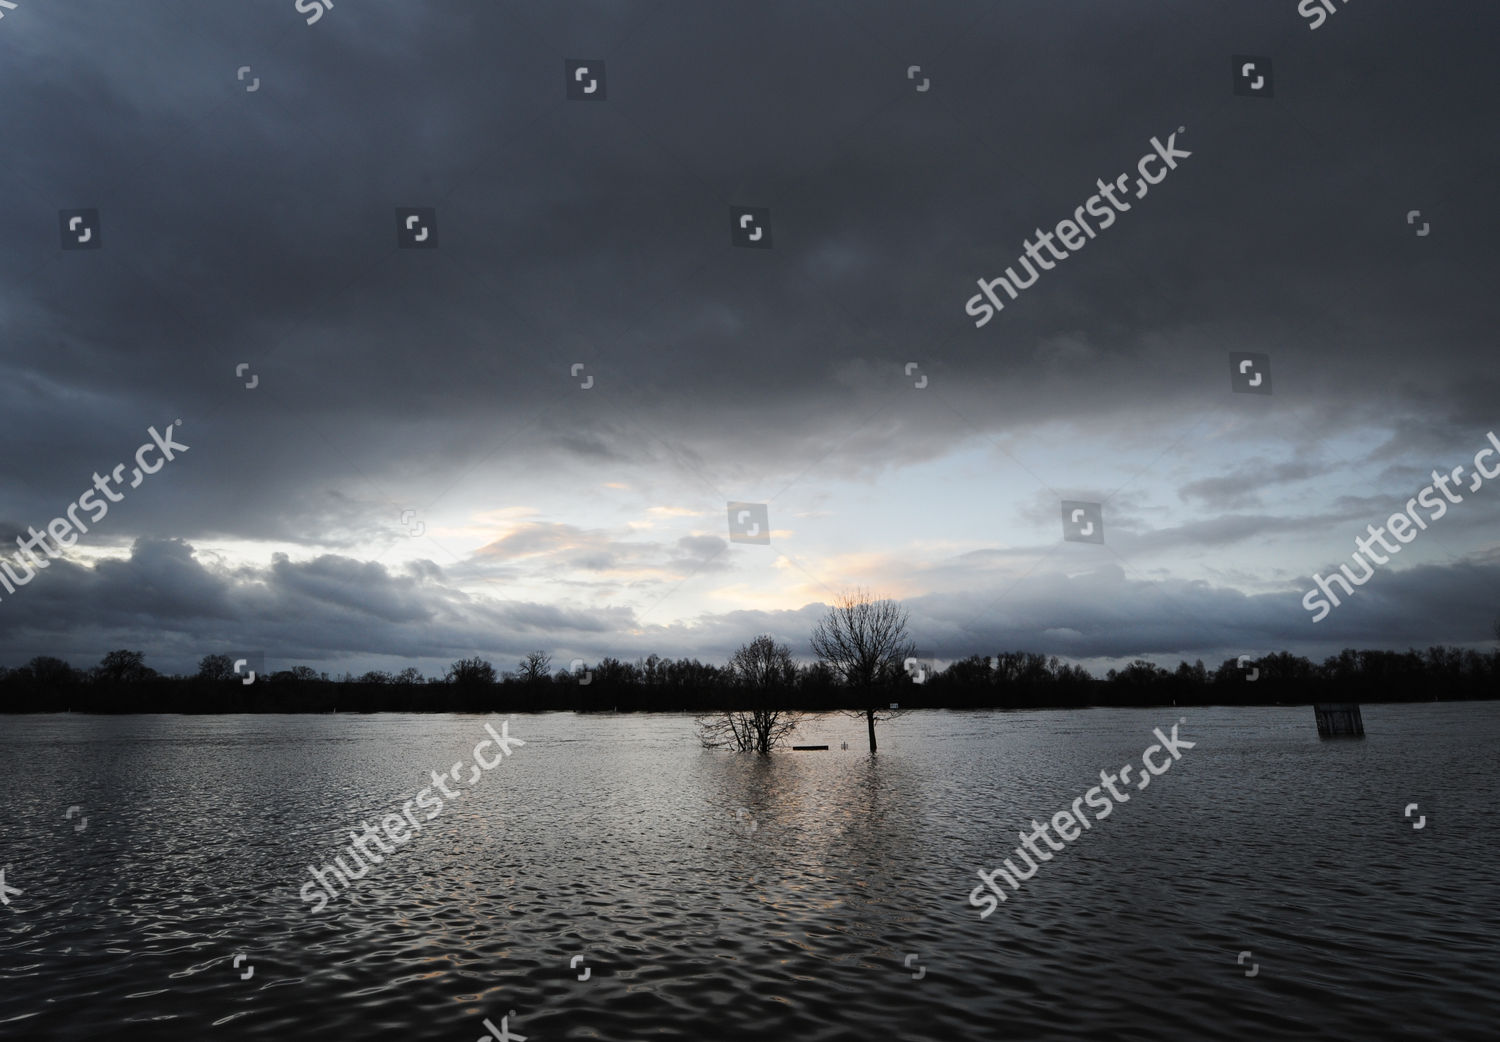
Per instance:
{"type": "Point", "coordinates": [763, 665]}
{"type": "Point", "coordinates": [763, 673]}
{"type": "Point", "coordinates": [865, 642]}
{"type": "Point", "coordinates": [215, 667]}
{"type": "Point", "coordinates": [471, 673]}
{"type": "Point", "coordinates": [123, 667]}
{"type": "Point", "coordinates": [535, 667]}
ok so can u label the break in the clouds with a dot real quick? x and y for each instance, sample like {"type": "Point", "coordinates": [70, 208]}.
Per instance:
{"type": "Point", "coordinates": [528, 435]}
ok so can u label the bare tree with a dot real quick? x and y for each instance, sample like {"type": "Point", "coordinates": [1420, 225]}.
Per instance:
{"type": "Point", "coordinates": [763, 672]}
{"type": "Point", "coordinates": [123, 667]}
{"type": "Point", "coordinates": [763, 665]}
{"type": "Point", "coordinates": [50, 673]}
{"type": "Point", "coordinates": [865, 642]}
{"type": "Point", "coordinates": [726, 730]}
{"type": "Point", "coordinates": [535, 667]}
{"type": "Point", "coordinates": [215, 667]}
{"type": "Point", "coordinates": [471, 673]}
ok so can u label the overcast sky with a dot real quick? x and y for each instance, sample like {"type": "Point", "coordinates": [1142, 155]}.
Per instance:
{"type": "Point", "coordinates": [418, 474]}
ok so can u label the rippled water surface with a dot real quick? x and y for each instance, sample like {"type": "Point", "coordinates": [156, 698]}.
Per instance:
{"type": "Point", "coordinates": [811, 896]}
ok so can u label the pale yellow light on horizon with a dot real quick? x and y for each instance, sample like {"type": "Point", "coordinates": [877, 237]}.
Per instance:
{"type": "Point", "coordinates": [502, 515]}
{"type": "Point", "coordinates": [883, 574]}
{"type": "Point", "coordinates": [739, 596]}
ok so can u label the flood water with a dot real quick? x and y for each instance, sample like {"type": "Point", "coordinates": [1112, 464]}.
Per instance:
{"type": "Point", "coordinates": [703, 896]}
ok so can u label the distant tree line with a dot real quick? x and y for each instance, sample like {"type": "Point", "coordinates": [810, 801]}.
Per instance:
{"type": "Point", "coordinates": [123, 683]}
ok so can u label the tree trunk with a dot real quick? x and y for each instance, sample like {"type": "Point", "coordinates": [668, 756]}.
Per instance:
{"type": "Point", "coordinates": [870, 719]}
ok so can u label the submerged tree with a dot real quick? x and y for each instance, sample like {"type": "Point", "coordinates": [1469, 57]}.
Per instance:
{"type": "Point", "coordinates": [762, 673]}
{"type": "Point", "coordinates": [865, 642]}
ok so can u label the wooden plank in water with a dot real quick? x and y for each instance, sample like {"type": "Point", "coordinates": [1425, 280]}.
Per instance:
{"type": "Point", "coordinates": [800, 748]}
{"type": "Point", "coordinates": [1339, 720]}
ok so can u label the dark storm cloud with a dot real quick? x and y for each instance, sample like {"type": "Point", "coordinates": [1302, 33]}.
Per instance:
{"type": "Point", "coordinates": [259, 228]}
{"type": "Point", "coordinates": [1246, 485]}
{"type": "Point", "coordinates": [1113, 615]}
{"type": "Point", "coordinates": [341, 614]}
{"type": "Point", "coordinates": [318, 611]}
{"type": "Point", "coordinates": [352, 585]}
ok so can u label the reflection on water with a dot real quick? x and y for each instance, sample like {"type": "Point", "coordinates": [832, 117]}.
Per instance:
{"type": "Point", "coordinates": [819, 895]}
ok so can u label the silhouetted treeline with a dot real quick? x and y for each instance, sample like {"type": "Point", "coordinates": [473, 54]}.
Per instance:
{"type": "Point", "coordinates": [123, 683]}
{"type": "Point", "coordinates": [1024, 679]}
